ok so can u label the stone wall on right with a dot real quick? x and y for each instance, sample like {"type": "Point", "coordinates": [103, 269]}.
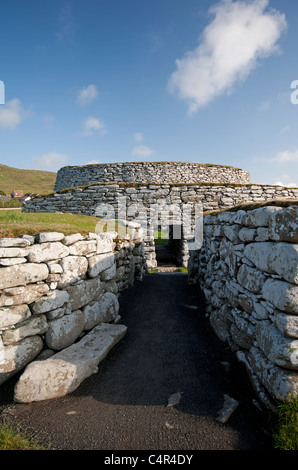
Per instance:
{"type": "Point", "coordinates": [247, 269]}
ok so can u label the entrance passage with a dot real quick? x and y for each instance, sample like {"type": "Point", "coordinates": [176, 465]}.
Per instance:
{"type": "Point", "coordinates": [168, 246]}
{"type": "Point", "coordinates": [169, 349]}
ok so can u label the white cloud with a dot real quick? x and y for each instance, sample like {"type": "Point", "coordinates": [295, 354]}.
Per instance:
{"type": "Point", "coordinates": [138, 136]}
{"type": "Point", "coordinates": [12, 114]}
{"type": "Point", "coordinates": [240, 33]}
{"type": "Point", "coordinates": [52, 160]}
{"type": "Point", "coordinates": [142, 151]}
{"type": "Point", "coordinates": [48, 120]}
{"type": "Point", "coordinates": [93, 162]}
{"type": "Point", "coordinates": [286, 156]}
{"type": "Point", "coordinates": [91, 125]}
{"type": "Point", "coordinates": [288, 185]}
{"type": "Point", "coordinates": [284, 130]}
{"type": "Point", "coordinates": [67, 24]}
{"type": "Point", "coordinates": [87, 95]}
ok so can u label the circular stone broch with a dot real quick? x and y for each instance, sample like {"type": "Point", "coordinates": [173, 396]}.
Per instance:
{"type": "Point", "coordinates": [149, 172]}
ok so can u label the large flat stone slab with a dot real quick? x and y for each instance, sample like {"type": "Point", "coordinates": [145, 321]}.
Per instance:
{"type": "Point", "coordinates": [19, 275]}
{"type": "Point", "coordinates": [62, 373]}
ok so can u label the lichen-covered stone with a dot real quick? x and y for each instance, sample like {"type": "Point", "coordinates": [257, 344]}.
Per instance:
{"type": "Point", "coordinates": [99, 263]}
{"type": "Point", "coordinates": [62, 373]}
{"type": "Point", "coordinates": [74, 268]}
{"type": "Point", "coordinates": [23, 294]}
{"type": "Point", "coordinates": [63, 331]}
{"type": "Point", "coordinates": [283, 225]}
{"type": "Point", "coordinates": [9, 316]}
{"type": "Point", "coordinates": [35, 325]}
{"type": "Point", "coordinates": [102, 310]}
{"type": "Point", "coordinates": [51, 301]}
{"type": "Point", "coordinates": [42, 252]}
{"type": "Point", "coordinates": [280, 350]}
{"type": "Point", "coordinates": [84, 292]}
{"type": "Point", "coordinates": [17, 356]}
{"type": "Point", "coordinates": [281, 294]}
{"type": "Point", "coordinates": [23, 274]}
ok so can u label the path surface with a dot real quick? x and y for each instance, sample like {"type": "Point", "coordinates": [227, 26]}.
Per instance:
{"type": "Point", "coordinates": [169, 348]}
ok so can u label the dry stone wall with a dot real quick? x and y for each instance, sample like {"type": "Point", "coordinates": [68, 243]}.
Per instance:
{"type": "Point", "coordinates": [248, 270]}
{"type": "Point", "coordinates": [149, 172]}
{"type": "Point", "coordinates": [59, 307]}
{"type": "Point", "coordinates": [136, 201]}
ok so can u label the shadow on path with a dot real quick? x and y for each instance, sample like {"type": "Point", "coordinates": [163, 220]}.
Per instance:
{"type": "Point", "coordinates": [169, 348]}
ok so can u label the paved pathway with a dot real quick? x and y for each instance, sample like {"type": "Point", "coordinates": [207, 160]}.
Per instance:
{"type": "Point", "coordinates": [169, 348]}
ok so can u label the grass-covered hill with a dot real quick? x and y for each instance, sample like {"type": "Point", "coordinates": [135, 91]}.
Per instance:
{"type": "Point", "coordinates": [28, 181]}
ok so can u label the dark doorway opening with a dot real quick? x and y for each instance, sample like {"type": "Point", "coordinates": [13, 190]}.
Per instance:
{"type": "Point", "coordinates": [168, 246]}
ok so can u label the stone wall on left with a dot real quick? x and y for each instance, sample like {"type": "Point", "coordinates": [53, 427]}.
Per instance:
{"type": "Point", "coordinates": [55, 290]}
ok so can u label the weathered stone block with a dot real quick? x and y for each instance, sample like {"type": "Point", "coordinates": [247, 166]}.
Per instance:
{"type": "Point", "coordinates": [13, 242]}
{"type": "Point", "coordinates": [14, 252]}
{"type": "Point", "coordinates": [104, 245]}
{"type": "Point", "coordinates": [247, 234]}
{"type": "Point", "coordinates": [280, 383]}
{"type": "Point", "coordinates": [228, 255]}
{"type": "Point", "coordinates": [12, 261]}
{"type": "Point", "coordinates": [50, 302]}
{"type": "Point", "coordinates": [65, 371]}
{"type": "Point", "coordinates": [242, 331]}
{"type": "Point", "coordinates": [17, 356]}
{"type": "Point", "coordinates": [250, 278]}
{"type": "Point", "coordinates": [104, 309]}
{"type": "Point", "coordinates": [284, 261]}
{"type": "Point", "coordinates": [35, 325]}
{"type": "Point", "coordinates": [74, 268]}
{"type": "Point", "coordinates": [23, 274]}
{"type": "Point", "coordinates": [23, 294]}
{"type": "Point", "coordinates": [220, 322]}
{"type": "Point", "coordinates": [9, 316]}
{"type": "Point", "coordinates": [70, 239]}
{"type": "Point", "coordinates": [283, 225]}
{"type": "Point", "coordinates": [99, 263]}
{"type": "Point", "coordinates": [84, 292]}
{"type": "Point", "coordinates": [259, 253]}
{"type": "Point", "coordinates": [280, 350]}
{"type": "Point", "coordinates": [232, 233]}
{"type": "Point", "coordinates": [83, 247]}
{"type": "Point", "coordinates": [63, 331]}
{"type": "Point", "coordinates": [109, 273]}
{"type": "Point", "coordinates": [45, 237]}
{"type": "Point", "coordinates": [282, 295]}
{"type": "Point", "coordinates": [279, 258]}
{"type": "Point", "coordinates": [47, 251]}
{"type": "Point", "coordinates": [260, 217]}
{"type": "Point", "coordinates": [287, 324]}
{"type": "Point", "coordinates": [65, 309]}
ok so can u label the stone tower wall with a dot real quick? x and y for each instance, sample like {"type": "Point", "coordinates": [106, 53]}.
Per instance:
{"type": "Point", "coordinates": [145, 172]}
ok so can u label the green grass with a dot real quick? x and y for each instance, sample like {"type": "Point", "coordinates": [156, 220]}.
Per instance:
{"type": "Point", "coordinates": [160, 237]}
{"type": "Point", "coordinates": [10, 203]}
{"type": "Point", "coordinates": [14, 439]}
{"type": "Point", "coordinates": [28, 181]}
{"type": "Point", "coordinates": [14, 223]}
{"type": "Point", "coordinates": [285, 433]}
{"type": "Point", "coordinates": [183, 269]}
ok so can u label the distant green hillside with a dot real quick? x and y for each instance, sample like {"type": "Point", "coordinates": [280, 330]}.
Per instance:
{"type": "Point", "coordinates": [28, 181]}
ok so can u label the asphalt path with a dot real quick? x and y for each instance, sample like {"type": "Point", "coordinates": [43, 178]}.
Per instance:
{"type": "Point", "coordinates": [169, 348]}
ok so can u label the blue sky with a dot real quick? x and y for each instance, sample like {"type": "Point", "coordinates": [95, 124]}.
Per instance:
{"type": "Point", "coordinates": [167, 80]}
